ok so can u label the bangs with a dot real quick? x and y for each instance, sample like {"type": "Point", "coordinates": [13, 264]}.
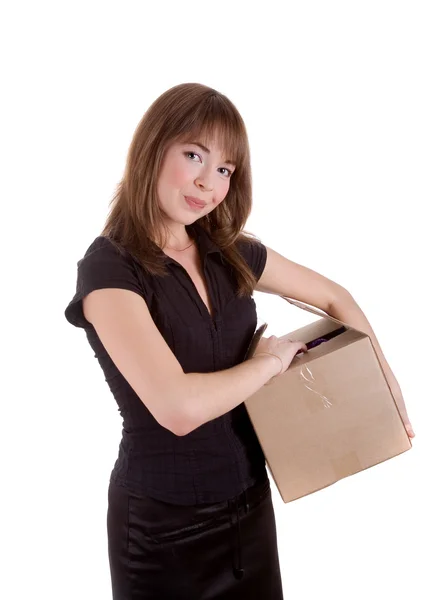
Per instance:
{"type": "Point", "coordinates": [215, 122]}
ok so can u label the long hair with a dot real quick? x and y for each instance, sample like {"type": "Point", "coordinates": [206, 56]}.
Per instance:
{"type": "Point", "coordinates": [189, 111]}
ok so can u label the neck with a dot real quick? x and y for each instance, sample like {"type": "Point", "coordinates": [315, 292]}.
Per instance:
{"type": "Point", "coordinates": [179, 240]}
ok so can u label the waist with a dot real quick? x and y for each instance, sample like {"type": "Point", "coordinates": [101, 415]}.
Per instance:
{"type": "Point", "coordinates": [216, 461]}
{"type": "Point", "coordinates": [247, 494]}
{"type": "Point", "coordinates": [181, 481]}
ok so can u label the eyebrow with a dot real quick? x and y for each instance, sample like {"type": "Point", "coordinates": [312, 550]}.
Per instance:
{"type": "Point", "coordinates": [205, 149]}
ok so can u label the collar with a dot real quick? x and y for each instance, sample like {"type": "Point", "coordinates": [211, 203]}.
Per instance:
{"type": "Point", "coordinates": [204, 242]}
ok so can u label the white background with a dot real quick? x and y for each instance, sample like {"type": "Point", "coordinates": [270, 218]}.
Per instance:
{"type": "Point", "coordinates": [346, 109]}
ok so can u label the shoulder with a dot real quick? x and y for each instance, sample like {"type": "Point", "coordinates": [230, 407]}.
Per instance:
{"type": "Point", "coordinates": [105, 256]}
{"type": "Point", "coordinates": [254, 253]}
{"type": "Point", "coordinates": [103, 247]}
{"type": "Point", "coordinates": [105, 264]}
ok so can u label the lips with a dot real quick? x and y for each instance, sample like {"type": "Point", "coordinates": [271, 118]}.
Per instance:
{"type": "Point", "coordinates": [196, 201]}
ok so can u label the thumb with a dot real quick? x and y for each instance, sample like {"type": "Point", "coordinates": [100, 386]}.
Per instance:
{"type": "Point", "coordinates": [409, 430]}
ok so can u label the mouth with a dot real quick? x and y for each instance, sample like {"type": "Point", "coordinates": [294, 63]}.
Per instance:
{"type": "Point", "coordinates": [195, 202]}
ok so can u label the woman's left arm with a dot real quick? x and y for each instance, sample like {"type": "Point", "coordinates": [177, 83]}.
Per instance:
{"type": "Point", "coordinates": [285, 277]}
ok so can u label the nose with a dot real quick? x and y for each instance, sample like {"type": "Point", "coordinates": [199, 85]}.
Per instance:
{"type": "Point", "coordinates": [204, 182]}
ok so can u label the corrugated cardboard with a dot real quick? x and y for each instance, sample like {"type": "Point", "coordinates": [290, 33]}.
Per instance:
{"type": "Point", "coordinates": [330, 415]}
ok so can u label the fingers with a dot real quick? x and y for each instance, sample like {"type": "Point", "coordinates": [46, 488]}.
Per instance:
{"type": "Point", "coordinates": [302, 346]}
{"type": "Point", "coordinates": [409, 430]}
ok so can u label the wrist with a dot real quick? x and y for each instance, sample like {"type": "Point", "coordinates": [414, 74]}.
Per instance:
{"type": "Point", "coordinates": [274, 360]}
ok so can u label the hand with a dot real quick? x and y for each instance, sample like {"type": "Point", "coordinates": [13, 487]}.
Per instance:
{"type": "Point", "coordinates": [283, 348]}
{"type": "Point", "coordinates": [398, 396]}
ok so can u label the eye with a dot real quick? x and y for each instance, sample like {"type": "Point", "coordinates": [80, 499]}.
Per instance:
{"type": "Point", "coordinates": [194, 153]}
{"type": "Point", "coordinates": [228, 171]}
{"type": "Point", "coordinates": [190, 152]}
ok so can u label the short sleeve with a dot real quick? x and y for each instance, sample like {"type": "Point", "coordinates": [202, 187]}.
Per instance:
{"type": "Point", "coordinates": [255, 254]}
{"type": "Point", "coordinates": [103, 266]}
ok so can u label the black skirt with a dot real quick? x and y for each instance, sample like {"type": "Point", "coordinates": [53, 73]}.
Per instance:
{"type": "Point", "coordinates": [221, 551]}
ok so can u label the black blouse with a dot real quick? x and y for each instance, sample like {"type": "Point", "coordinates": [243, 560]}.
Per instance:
{"type": "Point", "coordinates": [222, 457]}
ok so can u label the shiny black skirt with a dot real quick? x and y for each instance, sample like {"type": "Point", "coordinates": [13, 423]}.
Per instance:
{"type": "Point", "coordinates": [221, 551]}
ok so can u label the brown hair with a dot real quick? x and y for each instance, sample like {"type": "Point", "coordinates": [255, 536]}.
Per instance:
{"type": "Point", "coordinates": [135, 221]}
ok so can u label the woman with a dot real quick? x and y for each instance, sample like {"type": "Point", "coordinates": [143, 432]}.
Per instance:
{"type": "Point", "coordinates": [165, 297]}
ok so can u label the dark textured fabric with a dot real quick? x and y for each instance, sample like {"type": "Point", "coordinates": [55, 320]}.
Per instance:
{"type": "Point", "coordinates": [223, 457]}
{"type": "Point", "coordinates": [221, 551]}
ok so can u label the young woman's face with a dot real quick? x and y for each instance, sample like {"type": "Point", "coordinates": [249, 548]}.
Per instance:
{"type": "Point", "coordinates": [191, 170]}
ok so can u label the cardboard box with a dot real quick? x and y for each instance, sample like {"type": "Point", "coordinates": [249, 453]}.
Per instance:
{"type": "Point", "coordinates": [331, 414]}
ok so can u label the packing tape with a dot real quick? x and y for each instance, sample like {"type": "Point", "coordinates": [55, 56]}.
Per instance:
{"type": "Point", "coordinates": [346, 465]}
{"type": "Point", "coordinates": [316, 400]}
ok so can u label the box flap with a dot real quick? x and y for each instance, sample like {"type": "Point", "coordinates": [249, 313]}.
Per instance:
{"type": "Point", "coordinates": [344, 339]}
{"type": "Point", "coordinates": [312, 331]}
{"type": "Point", "coordinates": [316, 311]}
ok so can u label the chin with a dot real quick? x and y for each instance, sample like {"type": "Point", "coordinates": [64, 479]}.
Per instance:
{"type": "Point", "coordinates": [181, 219]}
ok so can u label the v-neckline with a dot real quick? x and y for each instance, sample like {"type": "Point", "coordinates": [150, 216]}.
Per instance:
{"type": "Point", "coordinates": [203, 277]}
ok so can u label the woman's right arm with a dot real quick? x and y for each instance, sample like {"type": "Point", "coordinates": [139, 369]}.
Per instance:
{"type": "Point", "coordinates": [179, 401]}
{"type": "Point", "coordinates": [210, 395]}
